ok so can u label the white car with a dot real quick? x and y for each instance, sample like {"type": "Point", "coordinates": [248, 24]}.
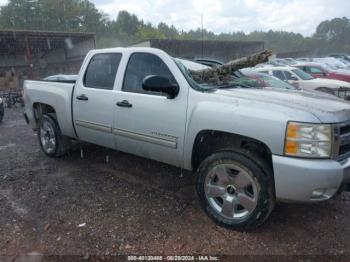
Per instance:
{"type": "Point", "coordinates": [299, 78]}
{"type": "Point", "coordinates": [332, 61]}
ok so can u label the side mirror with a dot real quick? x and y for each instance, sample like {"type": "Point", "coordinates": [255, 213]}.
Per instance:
{"type": "Point", "coordinates": [160, 84]}
{"type": "Point", "coordinates": [293, 78]}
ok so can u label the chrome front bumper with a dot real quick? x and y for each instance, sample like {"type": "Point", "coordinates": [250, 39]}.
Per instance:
{"type": "Point", "coordinates": [308, 180]}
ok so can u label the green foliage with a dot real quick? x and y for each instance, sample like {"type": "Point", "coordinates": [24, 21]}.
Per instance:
{"type": "Point", "coordinates": [52, 15]}
{"type": "Point", "coordinates": [335, 34]}
{"type": "Point", "coordinates": [82, 16]}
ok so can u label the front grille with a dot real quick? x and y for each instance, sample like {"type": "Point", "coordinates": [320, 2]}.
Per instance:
{"type": "Point", "coordinates": [344, 149]}
{"type": "Point", "coordinates": [343, 92]}
{"type": "Point", "coordinates": [342, 140]}
{"type": "Point", "coordinates": [344, 129]}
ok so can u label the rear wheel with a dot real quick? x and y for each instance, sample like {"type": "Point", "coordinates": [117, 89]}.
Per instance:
{"type": "Point", "coordinates": [51, 140]}
{"type": "Point", "coordinates": [235, 189]}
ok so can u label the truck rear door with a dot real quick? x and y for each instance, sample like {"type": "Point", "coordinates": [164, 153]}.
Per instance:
{"type": "Point", "coordinates": [94, 100]}
{"type": "Point", "coordinates": [148, 123]}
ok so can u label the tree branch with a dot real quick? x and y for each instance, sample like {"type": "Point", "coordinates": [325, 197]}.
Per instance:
{"type": "Point", "coordinates": [219, 75]}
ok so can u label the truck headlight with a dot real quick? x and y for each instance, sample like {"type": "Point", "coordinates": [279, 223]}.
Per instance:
{"type": "Point", "coordinates": [308, 140]}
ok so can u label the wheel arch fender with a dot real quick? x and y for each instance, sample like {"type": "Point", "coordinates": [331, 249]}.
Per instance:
{"type": "Point", "coordinates": [264, 126]}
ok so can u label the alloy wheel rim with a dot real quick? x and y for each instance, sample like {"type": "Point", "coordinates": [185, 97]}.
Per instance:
{"type": "Point", "coordinates": [47, 137]}
{"type": "Point", "coordinates": [232, 191]}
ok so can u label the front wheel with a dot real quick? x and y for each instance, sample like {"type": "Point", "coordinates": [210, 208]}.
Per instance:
{"type": "Point", "coordinates": [2, 111]}
{"type": "Point", "coordinates": [235, 189]}
{"type": "Point", "coordinates": [51, 140]}
{"type": "Point", "coordinates": [326, 90]}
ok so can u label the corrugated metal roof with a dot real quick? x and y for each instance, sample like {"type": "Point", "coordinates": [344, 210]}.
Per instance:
{"type": "Point", "coordinates": [44, 33]}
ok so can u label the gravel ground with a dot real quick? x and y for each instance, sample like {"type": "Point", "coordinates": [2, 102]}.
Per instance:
{"type": "Point", "coordinates": [129, 205]}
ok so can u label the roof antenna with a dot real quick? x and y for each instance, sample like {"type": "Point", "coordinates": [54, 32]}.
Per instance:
{"type": "Point", "coordinates": [202, 36]}
{"type": "Point", "coordinates": [202, 42]}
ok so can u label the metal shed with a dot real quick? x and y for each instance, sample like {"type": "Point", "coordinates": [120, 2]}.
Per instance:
{"type": "Point", "coordinates": [36, 54]}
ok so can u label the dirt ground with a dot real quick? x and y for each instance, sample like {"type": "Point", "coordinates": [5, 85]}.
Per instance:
{"type": "Point", "coordinates": [129, 205]}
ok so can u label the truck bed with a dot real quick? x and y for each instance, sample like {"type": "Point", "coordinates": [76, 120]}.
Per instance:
{"type": "Point", "coordinates": [56, 94]}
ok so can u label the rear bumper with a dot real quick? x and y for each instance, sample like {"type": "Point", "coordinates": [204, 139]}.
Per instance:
{"type": "Point", "coordinates": [309, 180]}
{"type": "Point", "coordinates": [29, 118]}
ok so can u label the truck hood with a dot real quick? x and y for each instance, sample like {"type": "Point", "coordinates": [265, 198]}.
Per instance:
{"type": "Point", "coordinates": [327, 108]}
{"type": "Point", "coordinates": [330, 83]}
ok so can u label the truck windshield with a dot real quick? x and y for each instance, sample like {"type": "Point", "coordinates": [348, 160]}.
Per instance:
{"type": "Point", "coordinates": [268, 81]}
{"type": "Point", "coordinates": [189, 69]}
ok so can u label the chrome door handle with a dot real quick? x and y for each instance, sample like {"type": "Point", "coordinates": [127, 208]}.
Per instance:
{"type": "Point", "coordinates": [83, 97]}
{"type": "Point", "coordinates": [124, 103]}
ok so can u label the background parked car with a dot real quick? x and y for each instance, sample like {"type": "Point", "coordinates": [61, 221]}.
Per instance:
{"type": "Point", "coordinates": [299, 78]}
{"type": "Point", "coordinates": [319, 70]}
{"type": "Point", "coordinates": [256, 79]}
{"type": "Point", "coordinates": [290, 61]}
{"type": "Point", "coordinates": [332, 61]}
{"type": "Point", "coordinates": [245, 77]}
{"type": "Point", "coordinates": [193, 65]}
{"type": "Point", "coordinates": [208, 62]}
{"type": "Point", "coordinates": [340, 56]}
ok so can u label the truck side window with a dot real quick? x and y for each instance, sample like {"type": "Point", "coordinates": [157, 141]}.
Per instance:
{"type": "Point", "coordinates": [278, 74]}
{"type": "Point", "coordinates": [102, 70]}
{"type": "Point", "coordinates": [141, 65]}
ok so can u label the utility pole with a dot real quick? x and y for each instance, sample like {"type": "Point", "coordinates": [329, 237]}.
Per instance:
{"type": "Point", "coordinates": [202, 36]}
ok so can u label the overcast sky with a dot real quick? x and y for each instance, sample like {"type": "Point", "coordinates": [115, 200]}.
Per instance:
{"type": "Point", "coordinates": [300, 16]}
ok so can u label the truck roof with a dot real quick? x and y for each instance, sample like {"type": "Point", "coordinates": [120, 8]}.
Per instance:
{"type": "Point", "coordinates": [274, 68]}
{"type": "Point", "coordinates": [127, 49]}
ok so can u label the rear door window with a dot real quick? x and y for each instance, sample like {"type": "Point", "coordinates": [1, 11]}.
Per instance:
{"type": "Point", "coordinates": [102, 70]}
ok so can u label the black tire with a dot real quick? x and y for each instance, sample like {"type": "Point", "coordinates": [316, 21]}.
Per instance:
{"type": "Point", "coordinates": [2, 112]}
{"type": "Point", "coordinates": [62, 143]}
{"type": "Point", "coordinates": [260, 173]}
{"type": "Point", "coordinates": [326, 90]}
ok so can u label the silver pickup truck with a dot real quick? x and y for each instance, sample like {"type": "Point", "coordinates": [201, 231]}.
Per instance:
{"type": "Point", "coordinates": [248, 147]}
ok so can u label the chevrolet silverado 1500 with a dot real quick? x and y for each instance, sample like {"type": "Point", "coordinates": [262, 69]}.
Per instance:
{"type": "Point", "coordinates": [248, 147]}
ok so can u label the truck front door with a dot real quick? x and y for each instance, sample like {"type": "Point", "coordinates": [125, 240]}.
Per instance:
{"type": "Point", "coordinates": [148, 123]}
{"type": "Point", "coordinates": [94, 100]}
